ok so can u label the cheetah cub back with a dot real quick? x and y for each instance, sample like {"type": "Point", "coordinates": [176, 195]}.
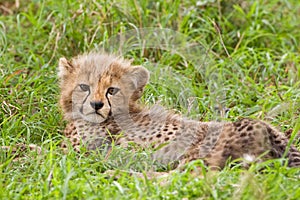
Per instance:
{"type": "Point", "coordinates": [99, 98]}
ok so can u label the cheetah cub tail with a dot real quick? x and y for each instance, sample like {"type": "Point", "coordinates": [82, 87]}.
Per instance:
{"type": "Point", "coordinates": [279, 143]}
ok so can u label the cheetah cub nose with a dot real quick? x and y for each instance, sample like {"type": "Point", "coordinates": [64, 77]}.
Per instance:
{"type": "Point", "coordinates": [97, 105]}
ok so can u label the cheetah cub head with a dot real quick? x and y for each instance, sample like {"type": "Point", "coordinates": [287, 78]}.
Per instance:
{"type": "Point", "coordinates": [96, 86]}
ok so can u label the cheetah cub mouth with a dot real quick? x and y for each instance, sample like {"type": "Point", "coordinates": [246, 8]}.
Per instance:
{"type": "Point", "coordinates": [96, 87]}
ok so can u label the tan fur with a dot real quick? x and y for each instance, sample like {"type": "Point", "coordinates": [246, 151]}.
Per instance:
{"type": "Point", "coordinates": [173, 138]}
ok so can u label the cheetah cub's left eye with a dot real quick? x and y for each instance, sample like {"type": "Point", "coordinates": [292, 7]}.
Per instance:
{"type": "Point", "coordinates": [84, 87]}
{"type": "Point", "coordinates": [112, 90]}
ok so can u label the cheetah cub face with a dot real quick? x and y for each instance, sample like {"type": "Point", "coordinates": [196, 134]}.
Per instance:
{"type": "Point", "coordinates": [95, 86]}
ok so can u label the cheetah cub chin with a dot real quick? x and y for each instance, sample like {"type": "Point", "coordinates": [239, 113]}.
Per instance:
{"type": "Point", "coordinates": [99, 98]}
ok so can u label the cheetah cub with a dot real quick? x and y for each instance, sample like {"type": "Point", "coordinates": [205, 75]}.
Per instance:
{"type": "Point", "coordinates": [99, 98]}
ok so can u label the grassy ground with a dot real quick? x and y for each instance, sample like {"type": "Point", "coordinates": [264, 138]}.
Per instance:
{"type": "Point", "coordinates": [251, 69]}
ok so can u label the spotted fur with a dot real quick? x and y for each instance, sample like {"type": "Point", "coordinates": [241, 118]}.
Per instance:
{"type": "Point", "coordinates": [115, 86]}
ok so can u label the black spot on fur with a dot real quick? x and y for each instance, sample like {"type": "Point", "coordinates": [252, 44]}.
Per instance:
{"type": "Point", "coordinates": [237, 124]}
{"type": "Point", "coordinates": [242, 127]}
{"type": "Point", "coordinates": [243, 134]}
{"type": "Point", "coordinates": [296, 159]}
{"type": "Point", "coordinates": [226, 153]}
{"type": "Point", "coordinates": [250, 128]}
{"type": "Point", "coordinates": [214, 140]}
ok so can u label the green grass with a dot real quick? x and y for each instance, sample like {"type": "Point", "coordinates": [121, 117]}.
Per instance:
{"type": "Point", "coordinates": [254, 73]}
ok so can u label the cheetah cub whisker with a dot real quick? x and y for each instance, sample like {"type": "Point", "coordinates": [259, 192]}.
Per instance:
{"type": "Point", "coordinates": [99, 98]}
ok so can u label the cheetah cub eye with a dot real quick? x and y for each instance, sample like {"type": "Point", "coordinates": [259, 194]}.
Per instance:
{"type": "Point", "coordinates": [113, 90]}
{"type": "Point", "coordinates": [84, 87]}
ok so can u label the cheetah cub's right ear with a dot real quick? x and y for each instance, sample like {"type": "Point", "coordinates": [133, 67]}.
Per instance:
{"type": "Point", "coordinates": [65, 68]}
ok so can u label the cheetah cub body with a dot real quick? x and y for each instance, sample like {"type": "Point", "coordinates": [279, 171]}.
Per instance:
{"type": "Point", "coordinates": [99, 98]}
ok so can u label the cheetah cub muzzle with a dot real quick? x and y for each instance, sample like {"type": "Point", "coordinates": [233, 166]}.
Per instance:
{"type": "Point", "coordinates": [99, 98]}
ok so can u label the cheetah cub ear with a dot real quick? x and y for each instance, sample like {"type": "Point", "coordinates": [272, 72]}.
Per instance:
{"type": "Point", "coordinates": [65, 67]}
{"type": "Point", "coordinates": [139, 77]}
